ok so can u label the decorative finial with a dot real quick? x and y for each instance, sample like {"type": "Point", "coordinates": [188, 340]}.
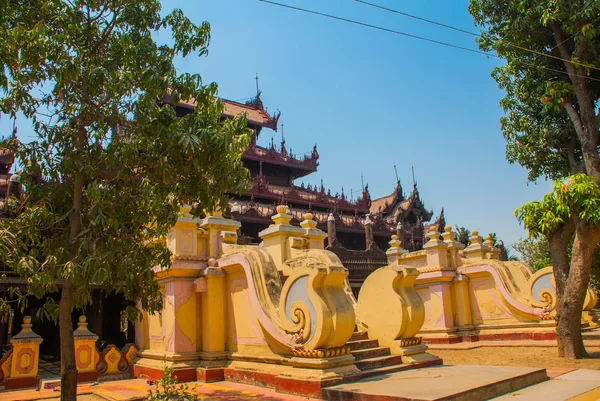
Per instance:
{"type": "Point", "coordinates": [308, 222]}
{"type": "Point", "coordinates": [281, 209]}
{"type": "Point", "coordinates": [448, 229]}
{"type": "Point", "coordinates": [331, 217]}
{"type": "Point", "coordinates": [368, 221]}
{"type": "Point", "coordinates": [82, 324]}
{"type": "Point", "coordinates": [489, 241]}
{"type": "Point", "coordinates": [236, 208]}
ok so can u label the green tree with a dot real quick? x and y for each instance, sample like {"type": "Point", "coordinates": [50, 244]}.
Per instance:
{"type": "Point", "coordinates": [463, 235]}
{"type": "Point", "coordinates": [534, 251]}
{"type": "Point", "coordinates": [551, 79]}
{"type": "Point", "coordinates": [571, 210]}
{"type": "Point", "coordinates": [112, 163]}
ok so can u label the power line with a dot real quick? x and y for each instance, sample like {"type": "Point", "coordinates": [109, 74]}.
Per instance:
{"type": "Point", "coordinates": [471, 33]}
{"type": "Point", "coordinates": [418, 18]}
{"type": "Point", "coordinates": [378, 28]}
{"type": "Point", "coordinates": [416, 37]}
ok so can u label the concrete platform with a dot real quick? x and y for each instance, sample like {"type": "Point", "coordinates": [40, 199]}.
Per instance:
{"type": "Point", "coordinates": [578, 385]}
{"type": "Point", "coordinates": [448, 383]}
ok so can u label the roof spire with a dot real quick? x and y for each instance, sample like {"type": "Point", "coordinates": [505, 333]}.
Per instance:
{"type": "Point", "coordinates": [396, 171]}
{"type": "Point", "coordinates": [413, 174]}
{"type": "Point", "coordinates": [257, 90]}
{"type": "Point", "coordinates": [362, 182]}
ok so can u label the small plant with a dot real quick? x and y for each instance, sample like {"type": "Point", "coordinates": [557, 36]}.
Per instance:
{"type": "Point", "coordinates": [168, 388]}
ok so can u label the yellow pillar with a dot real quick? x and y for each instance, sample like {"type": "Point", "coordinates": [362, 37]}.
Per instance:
{"type": "Point", "coordinates": [464, 319]}
{"type": "Point", "coordinates": [494, 252]}
{"type": "Point", "coordinates": [213, 225]}
{"type": "Point", "coordinates": [25, 357]}
{"type": "Point", "coordinates": [393, 254]}
{"type": "Point", "coordinates": [276, 238]}
{"type": "Point", "coordinates": [86, 356]}
{"type": "Point", "coordinates": [437, 276]}
{"type": "Point", "coordinates": [213, 314]}
{"type": "Point", "coordinates": [476, 249]}
{"type": "Point", "coordinates": [454, 247]}
{"type": "Point", "coordinates": [315, 237]}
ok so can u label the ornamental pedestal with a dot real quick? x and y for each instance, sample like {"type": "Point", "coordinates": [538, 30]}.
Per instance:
{"type": "Point", "coordinates": [25, 358]}
{"type": "Point", "coordinates": [86, 354]}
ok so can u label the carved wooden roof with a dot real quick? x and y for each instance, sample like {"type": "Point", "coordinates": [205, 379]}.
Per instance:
{"type": "Point", "coordinates": [305, 165]}
{"type": "Point", "coordinates": [261, 213]}
{"type": "Point", "coordinates": [254, 111]}
{"type": "Point", "coordinates": [396, 207]}
{"type": "Point", "coordinates": [309, 196]}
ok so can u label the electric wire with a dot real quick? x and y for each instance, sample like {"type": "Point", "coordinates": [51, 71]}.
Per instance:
{"type": "Point", "coordinates": [590, 66]}
{"type": "Point", "coordinates": [380, 28]}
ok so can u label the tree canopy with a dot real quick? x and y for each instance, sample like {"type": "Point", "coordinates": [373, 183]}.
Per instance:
{"type": "Point", "coordinates": [112, 162]}
{"type": "Point", "coordinates": [551, 79]}
{"type": "Point", "coordinates": [547, 108]}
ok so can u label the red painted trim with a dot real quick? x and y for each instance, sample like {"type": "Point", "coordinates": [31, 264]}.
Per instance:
{"type": "Point", "coordinates": [305, 388]}
{"type": "Point", "coordinates": [210, 375]}
{"type": "Point", "coordinates": [543, 336]}
{"type": "Point", "coordinates": [182, 375]}
{"type": "Point", "coordinates": [442, 340]}
{"type": "Point", "coordinates": [87, 376]}
{"type": "Point", "coordinates": [12, 383]}
{"type": "Point", "coordinates": [250, 377]}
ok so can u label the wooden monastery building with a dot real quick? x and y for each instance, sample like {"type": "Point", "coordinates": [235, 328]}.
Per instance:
{"type": "Point", "coordinates": [358, 229]}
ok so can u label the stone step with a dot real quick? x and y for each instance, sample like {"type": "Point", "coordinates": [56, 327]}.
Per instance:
{"type": "Point", "coordinates": [362, 344]}
{"type": "Point", "coordinates": [385, 369]}
{"type": "Point", "coordinates": [447, 383]}
{"type": "Point", "coordinates": [378, 362]}
{"type": "Point", "coordinates": [359, 335]}
{"type": "Point", "coordinates": [369, 353]}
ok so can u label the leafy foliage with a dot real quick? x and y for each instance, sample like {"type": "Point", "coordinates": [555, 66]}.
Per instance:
{"type": "Point", "coordinates": [552, 85]}
{"type": "Point", "coordinates": [577, 197]}
{"type": "Point", "coordinates": [169, 389]}
{"type": "Point", "coordinates": [540, 132]}
{"type": "Point", "coordinates": [534, 251]}
{"type": "Point", "coordinates": [463, 235]}
{"type": "Point", "coordinates": [113, 162]}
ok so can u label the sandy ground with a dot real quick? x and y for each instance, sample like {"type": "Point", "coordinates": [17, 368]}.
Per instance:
{"type": "Point", "coordinates": [81, 397]}
{"type": "Point", "coordinates": [542, 357]}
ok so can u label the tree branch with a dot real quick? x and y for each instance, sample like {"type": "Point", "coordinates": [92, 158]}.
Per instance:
{"type": "Point", "coordinates": [574, 116]}
{"type": "Point", "coordinates": [575, 165]}
{"type": "Point", "coordinates": [559, 36]}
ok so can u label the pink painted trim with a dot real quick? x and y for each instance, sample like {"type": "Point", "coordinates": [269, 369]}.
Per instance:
{"type": "Point", "coordinates": [512, 302]}
{"type": "Point", "coordinates": [264, 320]}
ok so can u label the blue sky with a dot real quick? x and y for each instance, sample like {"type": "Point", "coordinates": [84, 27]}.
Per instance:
{"type": "Point", "coordinates": [370, 99]}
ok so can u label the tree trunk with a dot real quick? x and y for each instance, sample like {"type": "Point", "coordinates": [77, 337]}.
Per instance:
{"type": "Point", "coordinates": [68, 379]}
{"type": "Point", "coordinates": [68, 369]}
{"type": "Point", "coordinates": [571, 299]}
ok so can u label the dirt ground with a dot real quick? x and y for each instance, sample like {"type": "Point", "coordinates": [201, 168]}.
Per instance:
{"type": "Point", "coordinates": [543, 357]}
{"type": "Point", "coordinates": [81, 397]}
